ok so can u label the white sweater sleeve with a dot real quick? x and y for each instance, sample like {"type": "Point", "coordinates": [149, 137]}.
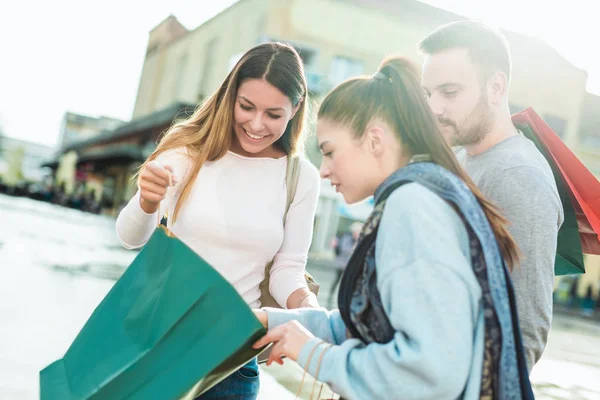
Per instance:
{"type": "Point", "coordinates": [134, 225]}
{"type": "Point", "coordinates": [287, 272]}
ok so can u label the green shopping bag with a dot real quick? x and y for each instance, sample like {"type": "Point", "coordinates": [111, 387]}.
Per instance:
{"type": "Point", "coordinates": [569, 254]}
{"type": "Point", "coordinates": [170, 323]}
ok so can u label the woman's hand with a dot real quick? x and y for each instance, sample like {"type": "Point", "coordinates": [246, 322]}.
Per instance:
{"type": "Point", "coordinates": [153, 182]}
{"type": "Point", "coordinates": [302, 298]}
{"type": "Point", "coordinates": [288, 340]}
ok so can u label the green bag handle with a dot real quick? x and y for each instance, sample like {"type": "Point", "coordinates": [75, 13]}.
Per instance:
{"type": "Point", "coordinates": [165, 215]}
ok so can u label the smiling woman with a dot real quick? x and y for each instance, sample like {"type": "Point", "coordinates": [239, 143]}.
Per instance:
{"type": "Point", "coordinates": [224, 170]}
{"type": "Point", "coordinates": [261, 114]}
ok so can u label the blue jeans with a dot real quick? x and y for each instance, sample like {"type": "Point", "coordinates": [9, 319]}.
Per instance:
{"type": "Point", "coordinates": [243, 384]}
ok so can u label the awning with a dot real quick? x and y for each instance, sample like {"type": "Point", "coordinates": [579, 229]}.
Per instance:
{"type": "Point", "coordinates": [158, 118]}
{"type": "Point", "coordinates": [123, 152]}
{"type": "Point", "coordinates": [115, 153]}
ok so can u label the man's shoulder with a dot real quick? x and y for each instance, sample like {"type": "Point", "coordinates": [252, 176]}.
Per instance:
{"type": "Point", "coordinates": [524, 161]}
{"type": "Point", "coordinates": [517, 154]}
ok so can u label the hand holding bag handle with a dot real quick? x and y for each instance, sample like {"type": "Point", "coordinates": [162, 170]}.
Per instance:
{"type": "Point", "coordinates": [165, 215]}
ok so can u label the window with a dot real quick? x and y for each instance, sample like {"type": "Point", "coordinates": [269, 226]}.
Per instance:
{"type": "Point", "coordinates": [307, 55]}
{"type": "Point", "coordinates": [181, 76]}
{"type": "Point", "coordinates": [207, 68]}
{"type": "Point", "coordinates": [343, 68]}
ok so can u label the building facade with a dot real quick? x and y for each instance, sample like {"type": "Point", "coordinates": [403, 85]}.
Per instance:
{"type": "Point", "coordinates": [77, 127]}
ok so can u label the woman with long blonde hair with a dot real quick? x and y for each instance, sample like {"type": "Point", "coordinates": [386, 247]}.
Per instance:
{"type": "Point", "coordinates": [221, 174]}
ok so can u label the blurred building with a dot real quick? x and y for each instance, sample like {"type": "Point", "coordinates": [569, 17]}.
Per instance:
{"type": "Point", "coordinates": [21, 161]}
{"type": "Point", "coordinates": [337, 39]}
{"type": "Point", "coordinates": [70, 171]}
{"type": "Point", "coordinates": [589, 146]}
{"type": "Point", "coordinates": [76, 127]}
{"type": "Point", "coordinates": [105, 162]}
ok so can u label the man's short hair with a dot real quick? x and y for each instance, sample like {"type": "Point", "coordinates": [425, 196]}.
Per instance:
{"type": "Point", "coordinates": [487, 47]}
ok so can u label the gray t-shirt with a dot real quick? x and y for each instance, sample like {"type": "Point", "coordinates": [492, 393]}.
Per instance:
{"type": "Point", "coordinates": [516, 177]}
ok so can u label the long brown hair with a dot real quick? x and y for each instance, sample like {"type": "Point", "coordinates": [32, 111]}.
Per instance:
{"type": "Point", "coordinates": [394, 95]}
{"type": "Point", "coordinates": [207, 134]}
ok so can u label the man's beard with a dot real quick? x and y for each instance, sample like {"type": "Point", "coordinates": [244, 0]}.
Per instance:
{"type": "Point", "coordinates": [473, 128]}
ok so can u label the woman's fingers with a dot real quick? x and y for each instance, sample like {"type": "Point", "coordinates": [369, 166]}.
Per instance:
{"type": "Point", "coordinates": [274, 335]}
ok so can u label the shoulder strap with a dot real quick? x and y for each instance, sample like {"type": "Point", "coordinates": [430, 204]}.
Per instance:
{"type": "Point", "coordinates": [291, 182]}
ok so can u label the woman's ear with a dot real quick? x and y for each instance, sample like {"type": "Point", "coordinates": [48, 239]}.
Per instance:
{"type": "Point", "coordinates": [296, 108]}
{"type": "Point", "coordinates": [375, 139]}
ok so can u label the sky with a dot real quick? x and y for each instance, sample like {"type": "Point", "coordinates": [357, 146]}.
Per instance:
{"type": "Point", "coordinates": [87, 57]}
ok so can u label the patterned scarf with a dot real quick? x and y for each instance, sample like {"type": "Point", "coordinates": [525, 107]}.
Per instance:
{"type": "Point", "coordinates": [504, 373]}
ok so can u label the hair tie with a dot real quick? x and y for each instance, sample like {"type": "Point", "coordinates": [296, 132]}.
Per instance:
{"type": "Point", "coordinates": [381, 76]}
